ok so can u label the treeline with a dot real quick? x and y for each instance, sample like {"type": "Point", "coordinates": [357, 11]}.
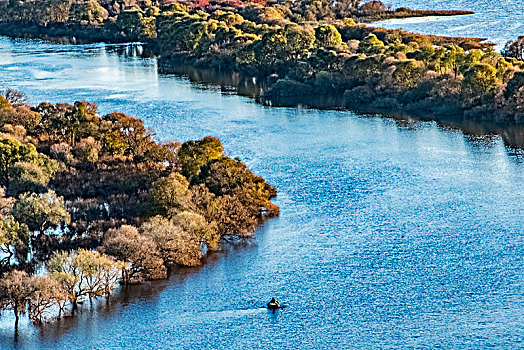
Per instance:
{"type": "Point", "coordinates": [373, 67]}
{"type": "Point", "coordinates": [305, 49]}
{"type": "Point", "coordinates": [97, 201]}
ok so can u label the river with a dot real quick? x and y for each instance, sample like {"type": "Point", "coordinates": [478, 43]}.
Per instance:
{"type": "Point", "coordinates": [392, 233]}
{"type": "Point", "coordinates": [498, 21]}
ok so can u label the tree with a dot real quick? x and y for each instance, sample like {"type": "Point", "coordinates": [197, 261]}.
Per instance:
{"type": "Point", "coordinates": [11, 152]}
{"type": "Point", "coordinates": [372, 7]}
{"type": "Point", "coordinates": [170, 194]}
{"type": "Point", "coordinates": [128, 135]}
{"type": "Point", "coordinates": [15, 291]}
{"type": "Point", "coordinates": [27, 177]}
{"type": "Point", "coordinates": [84, 273]}
{"type": "Point", "coordinates": [515, 48]}
{"type": "Point", "coordinates": [41, 212]}
{"type": "Point", "coordinates": [87, 11]}
{"type": "Point", "coordinates": [197, 226]}
{"type": "Point", "coordinates": [139, 254]}
{"type": "Point", "coordinates": [70, 122]}
{"type": "Point", "coordinates": [15, 97]}
{"type": "Point", "coordinates": [13, 236]}
{"type": "Point", "coordinates": [65, 269]}
{"type": "Point", "coordinates": [100, 272]}
{"type": "Point", "coordinates": [408, 74]}
{"type": "Point", "coordinates": [299, 40]}
{"type": "Point", "coordinates": [86, 150]}
{"type": "Point", "coordinates": [226, 176]}
{"type": "Point", "coordinates": [46, 293]}
{"type": "Point", "coordinates": [371, 45]}
{"type": "Point", "coordinates": [479, 80]}
{"type": "Point", "coordinates": [176, 246]}
{"type": "Point", "coordinates": [271, 48]}
{"type": "Point", "coordinates": [327, 36]}
{"type": "Point", "coordinates": [194, 154]}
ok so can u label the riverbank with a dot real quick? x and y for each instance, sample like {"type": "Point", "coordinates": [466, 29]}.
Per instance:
{"type": "Point", "coordinates": [403, 13]}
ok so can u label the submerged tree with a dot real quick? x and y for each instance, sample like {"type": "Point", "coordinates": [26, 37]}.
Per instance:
{"type": "Point", "coordinates": [139, 254]}
{"type": "Point", "coordinates": [41, 212]}
{"type": "Point", "coordinates": [15, 291]}
{"type": "Point", "coordinates": [14, 240]}
{"type": "Point", "coordinates": [47, 293]}
{"type": "Point", "coordinates": [83, 273]}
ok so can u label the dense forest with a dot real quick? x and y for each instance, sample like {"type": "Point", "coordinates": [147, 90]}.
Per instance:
{"type": "Point", "coordinates": [94, 201]}
{"type": "Point", "coordinates": [302, 49]}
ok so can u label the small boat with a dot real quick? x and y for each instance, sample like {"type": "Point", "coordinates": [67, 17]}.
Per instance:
{"type": "Point", "coordinates": [273, 304]}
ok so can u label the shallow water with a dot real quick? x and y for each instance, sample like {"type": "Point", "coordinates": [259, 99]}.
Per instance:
{"type": "Point", "coordinates": [498, 21]}
{"type": "Point", "coordinates": [391, 234]}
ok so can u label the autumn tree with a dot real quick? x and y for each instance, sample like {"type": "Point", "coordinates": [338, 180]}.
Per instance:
{"type": "Point", "coordinates": [139, 254]}
{"type": "Point", "coordinates": [70, 123]}
{"type": "Point", "coordinates": [176, 246]}
{"type": "Point", "coordinates": [87, 150]}
{"type": "Point", "coordinates": [15, 291]}
{"type": "Point", "coordinates": [88, 12]}
{"type": "Point", "coordinates": [127, 135]}
{"type": "Point", "coordinates": [197, 226]}
{"type": "Point", "coordinates": [46, 294]}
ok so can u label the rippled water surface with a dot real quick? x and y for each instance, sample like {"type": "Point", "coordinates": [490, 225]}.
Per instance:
{"type": "Point", "coordinates": [391, 234]}
{"type": "Point", "coordinates": [498, 21]}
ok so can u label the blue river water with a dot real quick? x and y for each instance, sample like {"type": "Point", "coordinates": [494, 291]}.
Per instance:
{"type": "Point", "coordinates": [498, 21]}
{"type": "Point", "coordinates": [392, 234]}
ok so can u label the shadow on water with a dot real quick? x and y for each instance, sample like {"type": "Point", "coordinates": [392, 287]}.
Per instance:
{"type": "Point", "coordinates": [89, 313]}
{"type": "Point", "coordinates": [483, 132]}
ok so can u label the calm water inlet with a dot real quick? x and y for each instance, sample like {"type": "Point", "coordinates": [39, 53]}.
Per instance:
{"type": "Point", "coordinates": [391, 234]}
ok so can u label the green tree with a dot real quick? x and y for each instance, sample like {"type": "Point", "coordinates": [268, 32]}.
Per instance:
{"type": "Point", "coordinates": [14, 238]}
{"type": "Point", "coordinates": [327, 36]}
{"type": "Point", "coordinates": [371, 45]}
{"type": "Point", "coordinates": [41, 212]}
{"type": "Point", "coordinates": [299, 40]}
{"type": "Point", "coordinates": [11, 152]}
{"type": "Point", "coordinates": [194, 154]}
{"type": "Point", "coordinates": [408, 74]}
{"type": "Point", "coordinates": [170, 194]}
{"type": "Point", "coordinates": [84, 273]}
{"type": "Point", "coordinates": [479, 80]}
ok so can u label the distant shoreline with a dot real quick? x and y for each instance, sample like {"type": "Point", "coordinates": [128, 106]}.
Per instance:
{"type": "Point", "coordinates": [403, 13]}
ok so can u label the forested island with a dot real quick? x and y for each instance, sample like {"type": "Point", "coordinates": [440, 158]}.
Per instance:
{"type": "Point", "coordinates": [300, 51]}
{"type": "Point", "coordinates": [92, 201]}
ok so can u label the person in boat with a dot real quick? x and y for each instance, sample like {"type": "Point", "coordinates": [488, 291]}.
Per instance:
{"type": "Point", "coordinates": [273, 304]}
